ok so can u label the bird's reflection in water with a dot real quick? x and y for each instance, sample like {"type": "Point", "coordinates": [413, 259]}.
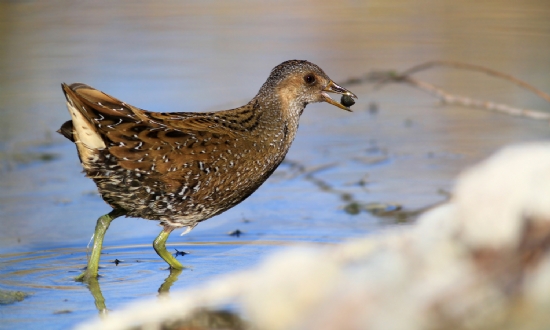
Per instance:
{"type": "Point", "coordinates": [171, 279]}
{"type": "Point", "coordinates": [200, 319]}
{"type": "Point", "coordinates": [99, 300]}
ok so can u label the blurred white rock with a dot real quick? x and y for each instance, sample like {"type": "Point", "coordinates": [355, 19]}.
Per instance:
{"type": "Point", "coordinates": [481, 261]}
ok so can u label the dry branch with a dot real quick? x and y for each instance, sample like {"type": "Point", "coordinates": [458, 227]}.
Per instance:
{"type": "Point", "coordinates": [478, 68]}
{"type": "Point", "coordinates": [448, 98]}
{"type": "Point", "coordinates": [384, 77]}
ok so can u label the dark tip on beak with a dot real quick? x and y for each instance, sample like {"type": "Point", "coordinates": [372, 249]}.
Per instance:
{"type": "Point", "coordinates": [334, 88]}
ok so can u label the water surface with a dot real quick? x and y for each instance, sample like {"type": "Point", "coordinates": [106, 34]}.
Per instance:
{"type": "Point", "coordinates": [196, 56]}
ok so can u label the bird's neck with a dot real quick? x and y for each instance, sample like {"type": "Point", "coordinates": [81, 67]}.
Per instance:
{"type": "Point", "coordinates": [279, 117]}
{"type": "Point", "coordinates": [280, 103]}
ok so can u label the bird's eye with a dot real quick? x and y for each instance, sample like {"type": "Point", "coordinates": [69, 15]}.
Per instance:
{"type": "Point", "coordinates": [309, 78]}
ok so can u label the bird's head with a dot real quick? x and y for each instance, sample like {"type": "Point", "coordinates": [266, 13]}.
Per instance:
{"type": "Point", "coordinates": [298, 83]}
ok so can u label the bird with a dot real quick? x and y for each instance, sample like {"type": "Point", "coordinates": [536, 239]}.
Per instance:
{"type": "Point", "coordinates": [181, 168]}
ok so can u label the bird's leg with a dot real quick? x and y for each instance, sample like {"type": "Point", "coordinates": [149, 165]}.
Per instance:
{"type": "Point", "coordinates": [100, 229]}
{"type": "Point", "coordinates": [160, 246]}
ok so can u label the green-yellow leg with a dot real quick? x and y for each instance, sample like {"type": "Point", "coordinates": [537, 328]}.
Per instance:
{"type": "Point", "coordinates": [160, 246]}
{"type": "Point", "coordinates": [100, 229]}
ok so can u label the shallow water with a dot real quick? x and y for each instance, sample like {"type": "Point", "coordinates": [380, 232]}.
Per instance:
{"type": "Point", "coordinates": [197, 56]}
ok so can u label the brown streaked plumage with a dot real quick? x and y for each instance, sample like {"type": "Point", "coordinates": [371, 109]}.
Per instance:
{"type": "Point", "coordinates": [185, 167]}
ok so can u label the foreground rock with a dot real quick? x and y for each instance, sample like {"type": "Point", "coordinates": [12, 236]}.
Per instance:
{"type": "Point", "coordinates": [481, 261]}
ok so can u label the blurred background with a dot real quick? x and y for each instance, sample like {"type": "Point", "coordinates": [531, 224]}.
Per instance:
{"type": "Point", "coordinates": [398, 147]}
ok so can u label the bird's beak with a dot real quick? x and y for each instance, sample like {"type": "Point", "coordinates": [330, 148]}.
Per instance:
{"type": "Point", "coordinates": [333, 88]}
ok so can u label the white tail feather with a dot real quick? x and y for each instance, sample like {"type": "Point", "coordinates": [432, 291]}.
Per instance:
{"type": "Point", "coordinates": [84, 132]}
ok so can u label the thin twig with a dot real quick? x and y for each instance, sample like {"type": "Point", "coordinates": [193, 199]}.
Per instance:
{"type": "Point", "coordinates": [468, 102]}
{"type": "Point", "coordinates": [479, 68]}
{"type": "Point", "coordinates": [384, 77]}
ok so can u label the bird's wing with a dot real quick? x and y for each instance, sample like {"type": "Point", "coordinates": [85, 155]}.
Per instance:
{"type": "Point", "coordinates": [148, 142]}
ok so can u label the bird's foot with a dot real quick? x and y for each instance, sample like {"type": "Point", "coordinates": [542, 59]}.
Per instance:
{"type": "Point", "coordinates": [86, 276]}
